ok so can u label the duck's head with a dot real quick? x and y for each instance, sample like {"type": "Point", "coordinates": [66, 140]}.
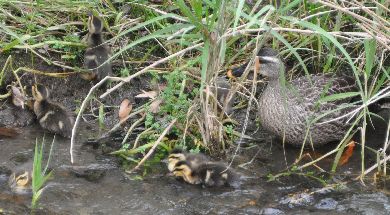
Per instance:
{"type": "Point", "coordinates": [174, 157]}
{"type": "Point", "coordinates": [40, 92]}
{"type": "Point", "coordinates": [270, 64]}
{"type": "Point", "coordinates": [95, 24]}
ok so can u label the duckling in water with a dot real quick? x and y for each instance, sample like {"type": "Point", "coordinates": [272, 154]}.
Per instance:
{"type": "Point", "coordinates": [209, 174]}
{"type": "Point", "coordinates": [20, 182]}
{"type": "Point", "coordinates": [97, 53]}
{"type": "Point", "coordinates": [179, 155]}
{"type": "Point", "coordinates": [52, 117]}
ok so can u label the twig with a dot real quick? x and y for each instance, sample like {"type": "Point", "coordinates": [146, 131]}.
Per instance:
{"type": "Point", "coordinates": [144, 70]}
{"type": "Point", "coordinates": [150, 152]}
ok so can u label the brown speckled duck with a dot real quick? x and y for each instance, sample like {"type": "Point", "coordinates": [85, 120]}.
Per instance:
{"type": "Point", "coordinates": [97, 53]}
{"type": "Point", "coordinates": [51, 116]}
{"type": "Point", "coordinates": [288, 109]}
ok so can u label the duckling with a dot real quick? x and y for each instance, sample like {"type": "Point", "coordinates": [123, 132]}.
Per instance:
{"type": "Point", "coordinates": [97, 53]}
{"type": "Point", "coordinates": [20, 182]}
{"type": "Point", "coordinates": [179, 155]}
{"type": "Point", "coordinates": [216, 174]}
{"type": "Point", "coordinates": [209, 174]}
{"type": "Point", "coordinates": [184, 170]}
{"type": "Point", "coordinates": [52, 117]}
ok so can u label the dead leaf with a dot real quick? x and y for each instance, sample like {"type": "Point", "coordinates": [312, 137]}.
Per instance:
{"type": "Point", "coordinates": [125, 109]}
{"type": "Point", "coordinates": [347, 154]}
{"type": "Point", "coordinates": [155, 106]}
{"type": "Point", "coordinates": [147, 94]}
{"type": "Point", "coordinates": [23, 179]}
{"type": "Point", "coordinates": [8, 132]}
{"type": "Point", "coordinates": [18, 98]}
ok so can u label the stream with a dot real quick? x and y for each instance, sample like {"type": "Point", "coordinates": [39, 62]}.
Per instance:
{"type": "Point", "coordinates": [96, 184]}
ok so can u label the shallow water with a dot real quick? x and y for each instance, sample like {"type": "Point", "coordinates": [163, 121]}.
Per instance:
{"type": "Point", "coordinates": [97, 185]}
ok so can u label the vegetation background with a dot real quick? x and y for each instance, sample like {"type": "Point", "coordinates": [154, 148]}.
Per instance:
{"type": "Point", "coordinates": [183, 46]}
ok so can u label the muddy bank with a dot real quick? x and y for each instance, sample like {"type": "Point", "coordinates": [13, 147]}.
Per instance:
{"type": "Point", "coordinates": [69, 92]}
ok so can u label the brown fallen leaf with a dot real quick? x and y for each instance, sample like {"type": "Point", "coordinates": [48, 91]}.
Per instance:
{"type": "Point", "coordinates": [18, 99]}
{"type": "Point", "coordinates": [155, 106]}
{"type": "Point", "coordinates": [147, 94]}
{"type": "Point", "coordinates": [125, 109]}
{"type": "Point", "coordinates": [8, 132]}
{"type": "Point", "coordinates": [347, 154]}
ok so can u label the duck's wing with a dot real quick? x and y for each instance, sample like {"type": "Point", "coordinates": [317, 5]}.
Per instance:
{"type": "Point", "coordinates": [317, 87]}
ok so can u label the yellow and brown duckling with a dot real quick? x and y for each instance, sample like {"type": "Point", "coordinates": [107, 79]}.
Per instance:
{"type": "Point", "coordinates": [20, 182]}
{"type": "Point", "coordinates": [209, 174]}
{"type": "Point", "coordinates": [97, 53]}
{"type": "Point", "coordinates": [51, 116]}
{"type": "Point", "coordinates": [198, 169]}
{"type": "Point", "coordinates": [194, 159]}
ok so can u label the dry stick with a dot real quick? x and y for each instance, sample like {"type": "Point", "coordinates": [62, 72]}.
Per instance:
{"type": "Point", "coordinates": [150, 152]}
{"type": "Point", "coordinates": [356, 16]}
{"type": "Point", "coordinates": [82, 108]}
{"type": "Point", "coordinates": [144, 70]}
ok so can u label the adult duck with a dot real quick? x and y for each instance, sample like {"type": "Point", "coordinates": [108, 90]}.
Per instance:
{"type": "Point", "coordinates": [295, 111]}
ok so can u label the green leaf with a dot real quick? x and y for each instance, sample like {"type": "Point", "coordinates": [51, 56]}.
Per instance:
{"type": "Point", "coordinates": [370, 49]}
{"type": "Point", "coordinates": [238, 12]}
{"type": "Point", "coordinates": [339, 96]}
{"type": "Point", "coordinates": [101, 116]}
{"type": "Point", "coordinates": [205, 62]}
{"type": "Point", "coordinates": [187, 12]}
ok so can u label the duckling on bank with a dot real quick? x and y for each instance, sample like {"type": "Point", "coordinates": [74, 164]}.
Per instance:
{"type": "Point", "coordinates": [97, 54]}
{"type": "Point", "coordinates": [51, 116]}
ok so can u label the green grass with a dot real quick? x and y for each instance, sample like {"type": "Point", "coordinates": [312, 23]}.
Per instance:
{"type": "Point", "coordinates": [320, 37]}
{"type": "Point", "coordinates": [39, 175]}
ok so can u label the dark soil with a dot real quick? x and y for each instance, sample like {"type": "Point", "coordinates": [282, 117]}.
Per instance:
{"type": "Point", "coordinates": [69, 92]}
